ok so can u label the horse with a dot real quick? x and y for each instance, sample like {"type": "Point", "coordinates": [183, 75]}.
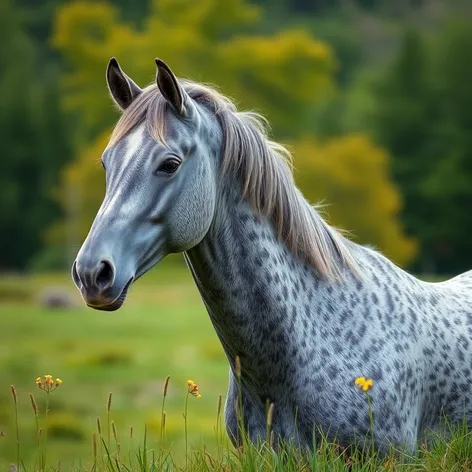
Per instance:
{"type": "Point", "coordinates": [304, 309]}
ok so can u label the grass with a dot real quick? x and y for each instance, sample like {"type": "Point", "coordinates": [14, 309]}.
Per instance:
{"type": "Point", "coordinates": [162, 330]}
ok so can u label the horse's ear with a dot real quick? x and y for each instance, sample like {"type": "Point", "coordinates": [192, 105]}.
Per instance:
{"type": "Point", "coordinates": [122, 88]}
{"type": "Point", "coordinates": [170, 87]}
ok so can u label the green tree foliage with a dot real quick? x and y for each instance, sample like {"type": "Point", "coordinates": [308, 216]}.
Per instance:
{"type": "Point", "coordinates": [400, 120]}
{"type": "Point", "coordinates": [449, 185]}
{"type": "Point", "coordinates": [352, 176]}
{"type": "Point", "coordinates": [420, 109]}
{"type": "Point", "coordinates": [282, 75]}
{"type": "Point", "coordinates": [33, 143]}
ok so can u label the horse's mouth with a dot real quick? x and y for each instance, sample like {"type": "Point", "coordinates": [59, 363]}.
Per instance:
{"type": "Point", "coordinates": [118, 302]}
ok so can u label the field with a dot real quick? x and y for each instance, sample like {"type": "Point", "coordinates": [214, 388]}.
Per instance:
{"type": "Point", "coordinates": [163, 329]}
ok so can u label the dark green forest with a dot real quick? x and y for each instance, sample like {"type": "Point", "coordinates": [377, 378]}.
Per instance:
{"type": "Point", "coordinates": [401, 76]}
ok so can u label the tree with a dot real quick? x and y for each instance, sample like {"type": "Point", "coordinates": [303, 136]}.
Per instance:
{"type": "Point", "coordinates": [401, 121]}
{"type": "Point", "coordinates": [282, 75]}
{"type": "Point", "coordinates": [420, 110]}
{"type": "Point", "coordinates": [448, 187]}
{"type": "Point", "coordinates": [33, 140]}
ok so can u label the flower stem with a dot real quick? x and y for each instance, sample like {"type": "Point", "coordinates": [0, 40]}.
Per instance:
{"type": "Point", "coordinates": [46, 431]}
{"type": "Point", "coordinates": [371, 420]}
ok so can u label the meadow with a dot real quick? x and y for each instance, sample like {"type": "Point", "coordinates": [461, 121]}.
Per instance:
{"type": "Point", "coordinates": [162, 330]}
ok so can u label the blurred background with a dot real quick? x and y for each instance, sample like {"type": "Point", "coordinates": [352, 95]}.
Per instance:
{"type": "Point", "coordinates": [373, 97]}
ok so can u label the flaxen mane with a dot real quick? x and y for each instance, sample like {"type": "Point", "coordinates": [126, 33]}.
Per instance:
{"type": "Point", "coordinates": [264, 168]}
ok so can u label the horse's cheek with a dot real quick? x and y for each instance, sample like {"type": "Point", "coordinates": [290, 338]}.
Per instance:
{"type": "Point", "coordinates": [191, 216]}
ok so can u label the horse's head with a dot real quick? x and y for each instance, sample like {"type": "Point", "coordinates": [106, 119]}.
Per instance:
{"type": "Point", "coordinates": [161, 172]}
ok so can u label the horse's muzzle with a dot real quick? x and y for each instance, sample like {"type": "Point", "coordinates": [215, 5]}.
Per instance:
{"type": "Point", "coordinates": [97, 286]}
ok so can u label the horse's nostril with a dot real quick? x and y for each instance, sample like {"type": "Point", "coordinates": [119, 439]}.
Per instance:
{"type": "Point", "coordinates": [105, 275]}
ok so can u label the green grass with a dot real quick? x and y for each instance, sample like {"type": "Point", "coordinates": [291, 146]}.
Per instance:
{"type": "Point", "coordinates": [163, 329]}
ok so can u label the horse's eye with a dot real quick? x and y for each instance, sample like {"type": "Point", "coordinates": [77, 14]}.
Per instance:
{"type": "Point", "coordinates": [169, 166]}
{"type": "Point", "coordinates": [103, 165]}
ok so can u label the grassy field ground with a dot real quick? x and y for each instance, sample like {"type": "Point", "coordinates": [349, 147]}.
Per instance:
{"type": "Point", "coordinates": [162, 330]}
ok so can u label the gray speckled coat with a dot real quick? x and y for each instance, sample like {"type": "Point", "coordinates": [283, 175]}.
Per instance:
{"type": "Point", "coordinates": [303, 341]}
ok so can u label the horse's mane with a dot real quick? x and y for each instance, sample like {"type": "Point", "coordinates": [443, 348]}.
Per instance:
{"type": "Point", "coordinates": [264, 168]}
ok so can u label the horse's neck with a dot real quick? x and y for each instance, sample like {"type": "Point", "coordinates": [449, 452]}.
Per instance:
{"type": "Point", "coordinates": [234, 259]}
{"type": "Point", "coordinates": [251, 284]}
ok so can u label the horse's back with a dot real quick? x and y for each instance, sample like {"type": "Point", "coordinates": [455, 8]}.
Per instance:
{"type": "Point", "coordinates": [460, 281]}
{"type": "Point", "coordinates": [457, 291]}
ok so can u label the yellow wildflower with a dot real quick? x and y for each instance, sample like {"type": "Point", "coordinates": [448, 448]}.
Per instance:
{"type": "Point", "coordinates": [48, 384]}
{"type": "Point", "coordinates": [193, 388]}
{"type": "Point", "coordinates": [364, 384]}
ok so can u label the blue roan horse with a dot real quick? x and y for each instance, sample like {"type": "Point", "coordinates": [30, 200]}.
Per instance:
{"type": "Point", "coordinates": [306, 310]}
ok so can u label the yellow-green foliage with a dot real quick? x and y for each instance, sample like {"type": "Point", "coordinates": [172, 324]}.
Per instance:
{"type": "Point", "coordinates": [351, 175]}
{"type": "Point", "coordinates": [276, 74]}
